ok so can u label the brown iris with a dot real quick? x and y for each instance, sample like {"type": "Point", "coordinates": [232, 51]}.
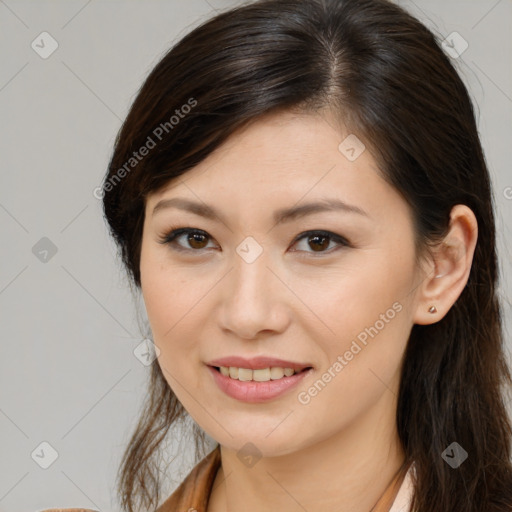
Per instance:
{"type": "Point", "coordinates": [197, 238]}
{"type": "Point", "coordinates": [316, 238]}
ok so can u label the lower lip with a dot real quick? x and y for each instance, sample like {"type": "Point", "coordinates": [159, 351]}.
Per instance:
{"type": "Point", "coordinates": [253, 391]}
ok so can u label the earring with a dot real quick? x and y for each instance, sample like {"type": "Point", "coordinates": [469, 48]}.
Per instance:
{"type": "Point", "coordinates": [432, 309]}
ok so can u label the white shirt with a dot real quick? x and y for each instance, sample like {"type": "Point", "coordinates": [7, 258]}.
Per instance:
{"type": "Point", "coordinates": [403, 499]}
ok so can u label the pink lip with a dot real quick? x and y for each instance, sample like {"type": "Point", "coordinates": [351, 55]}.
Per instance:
{"type": "Point", "coordinates": [252, 391]}
{"type": "Point", "coordinates": [257, 363]}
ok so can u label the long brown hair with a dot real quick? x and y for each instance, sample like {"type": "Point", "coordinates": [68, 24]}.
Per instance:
{"type": "Point", "coordinates": [386, 77]}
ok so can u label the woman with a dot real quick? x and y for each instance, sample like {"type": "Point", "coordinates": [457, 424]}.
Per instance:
{"type": "Point", "coordinates": [299, 192]}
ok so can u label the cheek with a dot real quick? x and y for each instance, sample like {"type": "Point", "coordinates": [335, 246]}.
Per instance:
{"type": "Point", "coordinates": [369, 321]}
{"type": "Point", "coordinates": [346, 300]}
{"type": "Point", "coordinates": [361, 364]}
{"type": "Point", "coordinates": [169, 299]}
{"type": "Point", "coordinates": [167, 292]}
{"type": "Point", "coordinates": [170, 308]}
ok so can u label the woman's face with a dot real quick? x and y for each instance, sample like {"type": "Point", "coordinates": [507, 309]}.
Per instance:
{"type": "Point", "coordinates": [251, 285]}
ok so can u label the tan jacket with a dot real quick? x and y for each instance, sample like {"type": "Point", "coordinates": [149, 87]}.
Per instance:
{"type": "Point", "coordinates": [193, 493]}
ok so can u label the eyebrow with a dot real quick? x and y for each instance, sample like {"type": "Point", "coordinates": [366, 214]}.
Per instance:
{"type": "Point", "coordinates": [280, 216]}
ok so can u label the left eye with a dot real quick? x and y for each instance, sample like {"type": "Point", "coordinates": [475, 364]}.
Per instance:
{"type": "Point", "coordinates": [318, 241]}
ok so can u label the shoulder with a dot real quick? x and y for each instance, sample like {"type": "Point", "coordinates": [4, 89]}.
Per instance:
{"type": "Point", "coordinates": [195, 490]}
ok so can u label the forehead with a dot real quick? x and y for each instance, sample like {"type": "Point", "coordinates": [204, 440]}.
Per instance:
{"type": "Point", "coordinates": [284, 158]}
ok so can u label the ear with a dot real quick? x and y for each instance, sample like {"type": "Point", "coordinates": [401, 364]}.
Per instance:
{"type": "Point", "coordinates": [450, 267]}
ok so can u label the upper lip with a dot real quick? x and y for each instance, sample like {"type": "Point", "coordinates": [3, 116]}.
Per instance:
{"type": "Point", "coordinates": [257, 363]}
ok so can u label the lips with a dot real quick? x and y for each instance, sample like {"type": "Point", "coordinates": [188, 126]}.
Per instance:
{"type": "Point", "coordinates": [258, 363]}
{"type": "Point", "coordinates": [253, 391]}
{"type": "Point", "coordinates": [257, 379]}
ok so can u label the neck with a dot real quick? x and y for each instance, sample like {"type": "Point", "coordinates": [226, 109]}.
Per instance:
{"type": "Point", "coordinates": [349, 471]}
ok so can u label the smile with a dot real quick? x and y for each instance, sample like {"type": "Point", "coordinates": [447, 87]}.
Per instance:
{"type": "Point", "coordinates": [261, 375]}
{"type": "Point", "coordinates": [256, 385]}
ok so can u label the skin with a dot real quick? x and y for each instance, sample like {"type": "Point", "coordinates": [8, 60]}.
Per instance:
{"type": "Point", "coordinates": [297, 303]}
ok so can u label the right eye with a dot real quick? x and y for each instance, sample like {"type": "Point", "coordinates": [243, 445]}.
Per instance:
{"type": "Point", "coordinates": [195, 238]}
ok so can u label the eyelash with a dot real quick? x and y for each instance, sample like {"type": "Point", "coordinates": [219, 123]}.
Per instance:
{"type": "Point", "coordinates": [173, 234]}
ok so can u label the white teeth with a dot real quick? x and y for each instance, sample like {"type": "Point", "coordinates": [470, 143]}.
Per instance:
{"type": "Point", "coordinates": [276, 373]}
{"type": "Point", "coordinates": [260, 375]}
{"type": "Point", "coordinates": [244, 374]}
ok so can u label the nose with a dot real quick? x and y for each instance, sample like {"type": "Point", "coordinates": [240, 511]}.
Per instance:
{"type": "Point", "coordinates": [255, 301]}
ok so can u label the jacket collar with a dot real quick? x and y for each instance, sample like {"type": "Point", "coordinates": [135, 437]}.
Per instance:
{"type": "Point", "coordinates": [194, 492]}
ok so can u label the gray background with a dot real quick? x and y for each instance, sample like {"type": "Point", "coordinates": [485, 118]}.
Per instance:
{"type": "Point", "coordinates": [68, 325]}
